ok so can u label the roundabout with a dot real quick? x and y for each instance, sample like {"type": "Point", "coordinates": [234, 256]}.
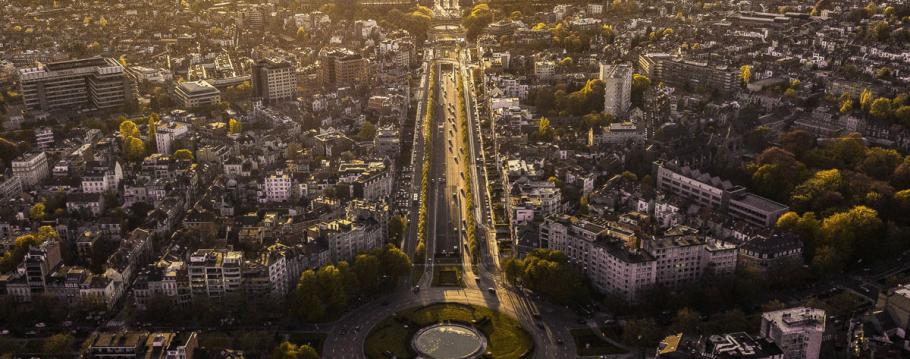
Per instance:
{"type": "Point", "coordinates": [448, 331]}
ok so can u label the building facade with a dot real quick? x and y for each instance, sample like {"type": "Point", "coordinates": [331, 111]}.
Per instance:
{"type": "Point", "coordinates": [274, 80]}
{"type": "Point", "coordinates": [31, 168]}
{"type": "Point", "coordinates": [96, 82]}
{"type": "Point", "coordinates": [797, 331]}
{"type": "Point", "coordinates": [617, 88]}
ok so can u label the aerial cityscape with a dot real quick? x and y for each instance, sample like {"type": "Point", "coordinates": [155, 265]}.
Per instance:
{"type": "Point", "coordinates": [454, 179]}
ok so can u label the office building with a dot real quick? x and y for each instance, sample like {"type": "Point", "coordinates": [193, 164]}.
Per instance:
{"type": "Point", "coordinates": [31, 168]}
{"type": "Point", "coordinates": [797, 331]}
{"type": "Point", "coordinates": [86, 83]}
{"type": "Point", "coordinates": [713, 192]}
{"type": "Point", "coordinates": [274, 80]}
{"type": "Point", "coordinates": [340, 67]}
{"type": "Point", "coordinates": [617, 81]}
{"type": "Point", "coordinates": [192, 94]}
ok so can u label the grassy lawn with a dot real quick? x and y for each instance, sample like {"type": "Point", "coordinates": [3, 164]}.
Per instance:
{"type": "Point", "coordinates": [589, 344]}
{"type": "Point", "coordinates": [447, 276]}
{"type": "Point", "coordinates": [505, 336]}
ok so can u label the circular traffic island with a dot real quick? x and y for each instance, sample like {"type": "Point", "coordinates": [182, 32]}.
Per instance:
{"type": "Point", "coordinates": [448, 331]}
{"type": "Point", "coordinates": [449, 341]}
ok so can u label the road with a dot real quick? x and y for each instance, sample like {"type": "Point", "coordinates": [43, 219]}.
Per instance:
{"type": "Point", "coordinates": [446, 211]}
{"type": "Point", "coordinates": [485, 284]}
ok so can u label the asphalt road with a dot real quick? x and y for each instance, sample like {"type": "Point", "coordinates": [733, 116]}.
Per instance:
{"type": "Point", "coordinates": [485, 284]}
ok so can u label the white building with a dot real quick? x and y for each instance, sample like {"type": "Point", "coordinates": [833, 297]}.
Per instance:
{"type": "Point", "coordinates": [44, 138]}
{"type": "Point", "coordinates": [617, 88]}
{"type": "Point", "coordinates": [544, 70]}
{"type": "Point", "coordinates": [31, 168]}
{"type": "Point", "coordinates": [797, 331]}
{"type": "Point", "coordinates": [166, 133]}
{"type": "Point", "coordinates": [608, 254]}
{"type": "Point", "coordinates": [602, 254]}
{"type": "Point", "coordinates": [278, 187]}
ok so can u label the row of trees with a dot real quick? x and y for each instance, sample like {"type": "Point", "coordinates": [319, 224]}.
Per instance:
{"type": "Point", "coordinates": [421, 249]}
{"type": "Point", "coordinates": [325, 293]}
{"type": "Point", "coordinates": [549, 273]}
{"type": "Point", "coordinates": [461, 111]}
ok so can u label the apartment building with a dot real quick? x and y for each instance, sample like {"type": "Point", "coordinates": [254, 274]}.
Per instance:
{"type": "Point", "coordinates": [166, 134]}
{"type": "Point", "coordinates": [613, 266]}
{"type": "Point", "coordinates": [681, 72]}
{"type": "Point", "coordinates": [684, 257]}
{"type": "Point", "coordinates": [39, 263]}
{"type": "Point", "coordinates": [192, 94]}
{"type": "Point", "coordinates": [797, 331]}
{"type": "Point", "coordinates": [617, 88]}
{"type": "Point", "coordinates": [278, 187]}
{"type": "Point", "coordinates": [44, 138]}
{"type": "Point", "coordinates": [95, 82]}
{"type": "Point", "coordinates": [31, 168]}
{"type": "Point", "coordinates": [142, 344]}
{"type": "Point", "coordinates": [10, 186]}
{"type": "Point", "coordinates": [617, 262]}
{"type": "Point", "coordinates": [274, 80]}
{"type": "Point", "coordinates": [713, 192]}
{"type": "Point", "coordinates": [544, 70]}
{"type": "Point", "coordinates": [346, 238]}
{"type": "Point", "coordinates": [215, 272]}
{"type": "Point", "coordinates": [163, 280]}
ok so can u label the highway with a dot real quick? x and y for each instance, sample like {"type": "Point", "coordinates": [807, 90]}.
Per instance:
{"type": "Point", "coordinates": [446, 211]}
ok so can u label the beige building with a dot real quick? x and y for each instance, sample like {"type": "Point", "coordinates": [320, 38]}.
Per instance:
{"type": "Point", "coordinates": [31, 168]}
{"type": "Point", "coordinates": [192, 94]}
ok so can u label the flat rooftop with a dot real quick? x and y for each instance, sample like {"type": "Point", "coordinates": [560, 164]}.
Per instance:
{"type": "Point", "coordinates": [80, 63]}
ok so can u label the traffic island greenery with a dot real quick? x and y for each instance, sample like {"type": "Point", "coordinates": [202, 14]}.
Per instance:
{"type": "Point", "coordinates": [589, 343]}
{"type": "Point", "coordinates": [448, 276]}
{"type": "Point", "coordinates": [420, 251]}
{"type": "Point", "coordinates": [470, 227]}
{"type": "Point", "coordinates": [392, 336]}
